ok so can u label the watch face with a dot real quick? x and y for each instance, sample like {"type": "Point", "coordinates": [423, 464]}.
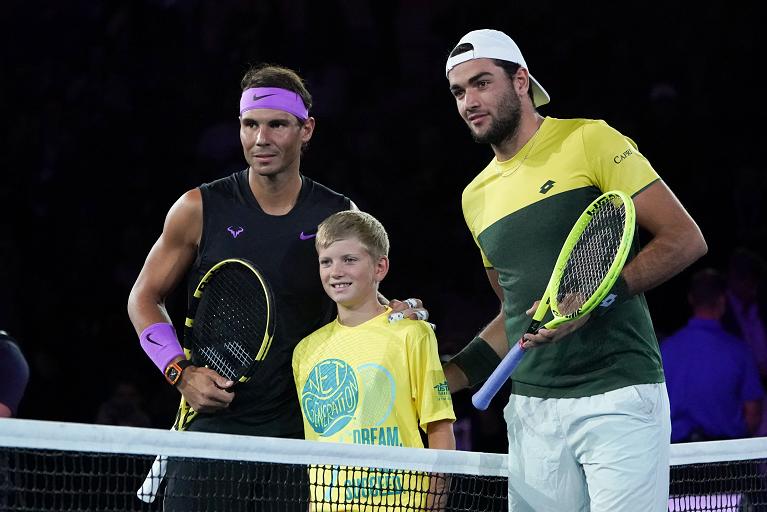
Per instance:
{"type": "Point", "coordinates": [172, 373]}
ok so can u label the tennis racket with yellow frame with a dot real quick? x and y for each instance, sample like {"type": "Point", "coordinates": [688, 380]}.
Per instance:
{"type": "Point", "coordinates": [229, 328]}
{"type": "Point", "coordinates": [589, 264]}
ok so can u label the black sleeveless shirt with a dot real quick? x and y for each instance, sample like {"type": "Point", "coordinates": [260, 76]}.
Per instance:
{"type": "Point", "coordinates": [235, 226]}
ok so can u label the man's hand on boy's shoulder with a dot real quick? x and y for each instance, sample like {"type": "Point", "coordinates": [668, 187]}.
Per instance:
{"type": "Point", "coordinates": [408, 308]}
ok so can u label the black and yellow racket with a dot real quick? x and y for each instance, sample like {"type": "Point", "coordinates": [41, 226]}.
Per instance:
{"type": "Point", "coordinates": [588, 265]}
{"type": "Point", "coordinates": [229, 329]}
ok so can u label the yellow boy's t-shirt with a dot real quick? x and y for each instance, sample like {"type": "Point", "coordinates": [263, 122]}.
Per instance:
{"type": "Point", "coordinates": [375, 383]}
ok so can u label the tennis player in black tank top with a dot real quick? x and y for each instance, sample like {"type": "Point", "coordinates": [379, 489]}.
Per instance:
{"type": "Point", "coordinates": [267, 213]}
{"type": "Point", "coordinates": [234, 225]}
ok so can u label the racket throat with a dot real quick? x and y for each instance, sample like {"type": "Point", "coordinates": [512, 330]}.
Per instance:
{"type": "Point", "coordinates": [540, 312]}
{"type": "Point", "coordinates": [534, 326]}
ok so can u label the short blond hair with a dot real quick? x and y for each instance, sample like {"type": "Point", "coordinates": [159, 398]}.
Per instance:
{"type": "Point", "coordinates": [354, 224]}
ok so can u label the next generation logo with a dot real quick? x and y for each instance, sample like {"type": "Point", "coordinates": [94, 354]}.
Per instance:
{"type": "Point", "coordinates": [335, 395]}
{"type": "Point", "coordinates": [330, 396]}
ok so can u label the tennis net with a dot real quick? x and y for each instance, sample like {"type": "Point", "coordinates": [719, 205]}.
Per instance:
{"type": "Point", "coordinates": [76, 467]}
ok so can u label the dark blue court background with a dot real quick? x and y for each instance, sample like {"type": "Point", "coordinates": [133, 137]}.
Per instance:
{"type": "Point", "coordinates": [111, 110]}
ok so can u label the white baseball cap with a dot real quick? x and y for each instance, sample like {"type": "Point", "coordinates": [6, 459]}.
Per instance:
{"type": "Point", "coordinates": [494, 44]}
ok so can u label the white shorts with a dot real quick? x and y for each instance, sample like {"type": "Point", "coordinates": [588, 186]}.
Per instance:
{"type": "Point", "coordinates": [600, 453]}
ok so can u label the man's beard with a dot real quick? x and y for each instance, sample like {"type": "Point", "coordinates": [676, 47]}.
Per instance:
{"type": "Point", "coordinates": [505, 126]}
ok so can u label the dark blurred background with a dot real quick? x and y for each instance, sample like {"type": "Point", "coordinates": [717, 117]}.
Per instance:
{"type": "Point", "coordinates": [112, 110]}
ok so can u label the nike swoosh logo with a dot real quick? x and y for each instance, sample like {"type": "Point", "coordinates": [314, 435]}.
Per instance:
{"type": "Point", "coordinates": [150, 340]}
{"type": "Point", "coordinates": [302, 236]}
{"type": "Point", "coordinates": [256, 97]}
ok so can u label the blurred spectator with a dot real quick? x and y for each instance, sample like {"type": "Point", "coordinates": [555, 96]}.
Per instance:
{"type": "Point", "coordinates": [124, 407]}
{"type": "Point", "coordinates": [14, 374]}
{"type": "Point", "coordinates": [746, 316]}
{"type": "Point", "coordinates": [712, 380]}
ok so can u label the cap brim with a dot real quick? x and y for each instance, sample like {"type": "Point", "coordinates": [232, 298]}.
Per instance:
{"type": "Point", "coordinates": [540, 96]}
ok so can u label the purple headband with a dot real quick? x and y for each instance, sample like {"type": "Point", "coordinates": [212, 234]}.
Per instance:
{"type": "Point", "coordinates": [273, 97]}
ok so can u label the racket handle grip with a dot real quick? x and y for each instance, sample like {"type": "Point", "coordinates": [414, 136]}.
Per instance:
{"type": "Point", "coordinates": [498, 378]}
{"type": "Point", "coordinates": [148, 490]}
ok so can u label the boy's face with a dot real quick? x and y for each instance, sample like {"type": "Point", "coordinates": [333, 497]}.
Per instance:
{"type": "Point", "coordinates": [349, 274]}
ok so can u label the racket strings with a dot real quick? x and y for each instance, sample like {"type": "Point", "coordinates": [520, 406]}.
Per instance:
{"type": "Point", "coordinates": [591, 258]}
{"type": "Point", "coordinates": [219, 362]}
{"type": "Point", "coordinates": [231, 321]}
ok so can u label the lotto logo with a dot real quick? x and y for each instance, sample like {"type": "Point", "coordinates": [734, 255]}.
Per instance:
{"type": "Point", "coordinates": [609, 300]}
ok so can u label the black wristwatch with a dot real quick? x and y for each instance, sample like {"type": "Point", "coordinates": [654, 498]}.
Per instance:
{"type": "Point", "coordinates": [174, 370]}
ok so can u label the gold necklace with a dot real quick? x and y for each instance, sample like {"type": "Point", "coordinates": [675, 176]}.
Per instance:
{"type": "Point", "coordinates": [509, 172]}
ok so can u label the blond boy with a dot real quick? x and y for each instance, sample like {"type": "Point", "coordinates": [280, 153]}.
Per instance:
{"type": "Point", "coordinates": [363, 380]}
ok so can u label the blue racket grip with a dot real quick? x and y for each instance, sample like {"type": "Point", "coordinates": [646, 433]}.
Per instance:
{"type": "Point", "coordinates": [498, 378]}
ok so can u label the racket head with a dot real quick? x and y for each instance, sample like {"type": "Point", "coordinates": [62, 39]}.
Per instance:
{"type": "Point", "coordinates": [231, 319]}
{"type": "Point", "coordinates": [592, 257]}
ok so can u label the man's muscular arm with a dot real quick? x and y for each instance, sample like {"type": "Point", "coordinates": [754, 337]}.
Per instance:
{"type": "Point", "coordinates": [165, 267]}
{"type": "Point", "coordinates": [676, 239]}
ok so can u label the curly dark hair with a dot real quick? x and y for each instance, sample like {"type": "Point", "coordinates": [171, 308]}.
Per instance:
{"type": "Point", "coordinates": [270, 75]}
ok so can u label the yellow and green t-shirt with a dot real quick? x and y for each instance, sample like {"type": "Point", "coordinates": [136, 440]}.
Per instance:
{"type": "Point", "coordinates": [520, 211]}
{"type": "Point", "coordinates": [375, 383]}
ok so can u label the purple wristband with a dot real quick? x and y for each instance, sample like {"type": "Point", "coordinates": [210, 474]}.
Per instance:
{"type": "Point", "coordinates": [274, 98]}
{"type": "Point", "coordinates": [160, 343]}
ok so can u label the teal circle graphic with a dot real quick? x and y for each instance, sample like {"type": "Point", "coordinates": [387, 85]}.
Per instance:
{"type": "Point", "coordinates": [378, 394]}
{"type": "Point", "coordinates": [330, 396]}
